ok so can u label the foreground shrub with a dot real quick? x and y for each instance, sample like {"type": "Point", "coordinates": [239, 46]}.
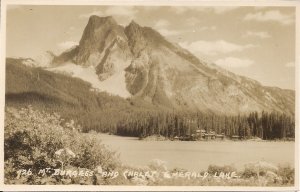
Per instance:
{"type": "Point", "coordinates": [287, 174]}
{"type": "Point", "coordinates": [212, 169]}
{"type": "Point", "coordinates": [35, 140]}
{"type": "Point", "coordinates": [157, 165]}
{"type": "Point", "coordinates": [257, 169]}
{"type": "Point", "coordinates": [269, 174]}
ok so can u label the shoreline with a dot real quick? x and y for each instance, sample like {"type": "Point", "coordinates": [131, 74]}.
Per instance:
{"type": "Point", "coordinates": [157, 138]}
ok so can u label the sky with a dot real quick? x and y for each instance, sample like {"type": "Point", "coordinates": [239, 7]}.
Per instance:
{"type": "Point", "coordinates": [256, 42]}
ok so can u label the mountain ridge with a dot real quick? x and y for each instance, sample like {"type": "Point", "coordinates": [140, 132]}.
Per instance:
{"type": "Point", "coordinates": [148, 66]}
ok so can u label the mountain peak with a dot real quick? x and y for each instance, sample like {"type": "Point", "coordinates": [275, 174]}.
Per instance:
{"type": "Point", "coordinates": [133, 26]}
{"type": "Point", "coordinates": [133, 23]}
{"type": "Point", "coordinates": [99, 33]}
{"type": "Point", "coordinates": [97, 21]}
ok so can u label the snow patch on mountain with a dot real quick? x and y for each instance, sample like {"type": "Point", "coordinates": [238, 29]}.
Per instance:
{"type": "Point", "coordinates": [44, 59]}
{"type": "Point", "coordinates": [29, 62]}
{"type": "Point", "coordinates": [115, 84]}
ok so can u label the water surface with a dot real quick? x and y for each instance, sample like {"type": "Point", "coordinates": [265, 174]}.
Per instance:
{"type": "Point", "coordinates": [198, 155]}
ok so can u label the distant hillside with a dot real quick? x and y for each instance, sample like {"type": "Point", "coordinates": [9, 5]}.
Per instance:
{"type": "Point", "coordinates": [69, 96]}
{"type": "Point", "coordinates": [21, 79]}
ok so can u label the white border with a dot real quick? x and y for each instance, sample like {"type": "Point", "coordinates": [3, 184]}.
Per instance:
{"type": "Point", "coordinates": [4, 3]}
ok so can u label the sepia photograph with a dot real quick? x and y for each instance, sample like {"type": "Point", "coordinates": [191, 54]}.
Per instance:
{"type": "Point", "coordinates": [149, 95]}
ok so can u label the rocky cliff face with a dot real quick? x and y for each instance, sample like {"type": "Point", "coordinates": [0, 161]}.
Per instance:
{"type": "Point", "coordinates": [165, 74]}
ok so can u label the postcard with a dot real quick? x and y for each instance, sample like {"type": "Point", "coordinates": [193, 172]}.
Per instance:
{"type": "Point", "coordinates": [146, 95]}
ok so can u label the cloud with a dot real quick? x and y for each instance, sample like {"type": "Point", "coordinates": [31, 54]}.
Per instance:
{"type": "Point", "coordinates": [191, 21]}
{"type": "Point", "coordinates": [205, 28]}
{"type": "Point", "coordinates": [201, 28]}
{"type": "Point", "coordinates": [161, 26]}
{"type": "Point", "coordinates": [194, 22]}
{"type": "Point", "coordinates": [259, 34]}
{"type": "Point", "coordinates": [290, 64]}
{"type": "Point", "coordinates": [273, 15]}
{"type": "Point", "coordinates": [66, 45]}
{"type": "Point", "coordinates": [214, 47]}
{"type": "Point", "coordinates": [168, 32]}
{"type": "Point", "coordinates": [161, 23]}
{"type": "Point", "coordinates": [233, 62]}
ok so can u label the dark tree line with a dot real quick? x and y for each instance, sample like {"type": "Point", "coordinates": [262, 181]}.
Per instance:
{"type": "Point", "coordinates": [264, 125]}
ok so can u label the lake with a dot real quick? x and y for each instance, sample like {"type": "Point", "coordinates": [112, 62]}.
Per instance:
{"type": "Point", "coordinates": [198, 155]}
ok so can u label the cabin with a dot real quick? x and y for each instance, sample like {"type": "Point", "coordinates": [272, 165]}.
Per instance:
{"type": "Point", "coordinates": [187, 137]}
{"type": "Point", "coordinates": [220, 136]}
{"type": "Point", "coordinates": [200, 134]}
{"type": "Point", "coordinates": [176, 138]}
{"type": "Point", "coordinates": [193, 137]}
{"type": "Point", "coordinates": [210, 135]}
{"type": "Point", "coordinates": [235, 137]}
